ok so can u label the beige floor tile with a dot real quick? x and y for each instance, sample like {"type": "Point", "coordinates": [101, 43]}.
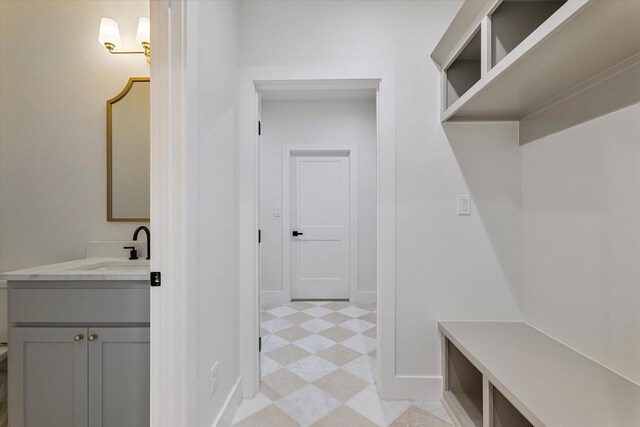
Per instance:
{"type": "Point", "coordinates": [336, 305]}
{"type": "Point", "coordinates": [271, 416]}
{"type": "Point", "coordinates": [371, 333]}
{"type": "Point", "coordinates": [269, 392]}
{"type": "Point", "coordinates": [300, 305]}
{"type": "Point", "coordinates": [341, 384]}
{"type": "Point", "coordinates": [264, 316]}
{"type": "Point", "coordinates": [336, 318]}
{"type": "Point", "coordinates": [343, 416]}
{"type": "Point", "coordinates": [373, 354]}
{"type": "Point", "coordinates": [416, 417]}
{"type": "Point", "coordinates": [337, 333]}
{"type": "Point", "coordinates": [297, 318]}
{"type": "Point", "coordinates": [287, 354]}
{"type": "Point", "coordinates": [339, 354]}
{"type": "Point", "coordinates": [369, 317]}
{"type": "Point", "coordinates": [283, 381]}
{"type": "Point", "coordinates": [294, 333]}
{"type": "Point", "coordinates": [269, 305]}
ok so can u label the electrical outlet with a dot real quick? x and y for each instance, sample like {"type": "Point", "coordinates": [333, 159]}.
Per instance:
{"type": "Point", "coordinates": [213, 379]}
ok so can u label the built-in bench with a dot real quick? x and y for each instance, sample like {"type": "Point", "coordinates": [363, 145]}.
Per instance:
{"type": "Point", "coordinates": [508, 374]}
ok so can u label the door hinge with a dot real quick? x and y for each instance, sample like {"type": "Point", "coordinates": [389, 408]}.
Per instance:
{"type": "Point", "coordinates": [259, 127]}
{"type": "Point", "coordinates": [259, 344]}
{"type": "Point", "coordinates": [259, 236]}
{"type": "Point", "coordinates": [155, 278]}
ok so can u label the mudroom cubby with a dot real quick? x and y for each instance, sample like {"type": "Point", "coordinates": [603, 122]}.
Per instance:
{"type": "Point", "coordinates": [513, 21]}
{"type": "Point", "coordinates": [464, 71]}
{"type": "Point", "coordinates": [463, 386]}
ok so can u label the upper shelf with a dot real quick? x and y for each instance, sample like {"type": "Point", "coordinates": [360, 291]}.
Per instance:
{"type": "Point", "coordinates": [530, 53]}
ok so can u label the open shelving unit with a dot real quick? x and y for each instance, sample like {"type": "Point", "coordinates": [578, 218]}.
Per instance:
{"type": "Point", "coordinates": [530, 53]}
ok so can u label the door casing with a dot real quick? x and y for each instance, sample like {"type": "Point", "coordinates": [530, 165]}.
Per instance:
{"type": "Point", "coordinates": [381, 77]}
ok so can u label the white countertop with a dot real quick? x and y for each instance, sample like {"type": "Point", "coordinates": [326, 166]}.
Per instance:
{"type": "Point", "coordinates": [84, 269]}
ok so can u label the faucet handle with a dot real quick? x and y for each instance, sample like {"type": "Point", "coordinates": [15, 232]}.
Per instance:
{"type": "Point", "coordinates": [134, 253]}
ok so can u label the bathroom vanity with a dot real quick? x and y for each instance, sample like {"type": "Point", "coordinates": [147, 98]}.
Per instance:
{"type": "Point", "coordinates": [79, 344]}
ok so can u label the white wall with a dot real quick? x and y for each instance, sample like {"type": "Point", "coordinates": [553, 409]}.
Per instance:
{"type": "Point", "coordinates": [316, 122]}
{"type": "Point", "coordinates": [448, 267]}
{"type": "Point", "coordinates": [213, 294]}
{"type": "Point", "coordinates": [55, 80]}
{"type": "Point", "coordinates": [581, 238]}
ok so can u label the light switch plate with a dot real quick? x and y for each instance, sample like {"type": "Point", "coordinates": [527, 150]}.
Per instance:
{"type": "Point", "coordinates": [464, 204]}
{"type": "Point", "coordinates": [276, 212]}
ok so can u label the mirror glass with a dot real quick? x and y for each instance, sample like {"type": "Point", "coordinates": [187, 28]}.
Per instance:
{"type": "Point", "coordinates": [128, 161]}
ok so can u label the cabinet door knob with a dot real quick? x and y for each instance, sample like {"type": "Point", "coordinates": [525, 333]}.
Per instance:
{"type": "Point", "coordinates": [93, 337]}
{"type": "Point", "coordinates": [78, 337]}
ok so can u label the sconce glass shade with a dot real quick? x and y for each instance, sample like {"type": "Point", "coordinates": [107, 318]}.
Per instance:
{"type": "Point", "coordinates": [143, 35]}
{"type": "Point", "coordinates": [109, 33]}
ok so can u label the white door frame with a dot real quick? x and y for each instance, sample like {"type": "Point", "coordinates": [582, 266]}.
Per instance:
{"type": "Point", "coordinates": [346, 150]}
{"type": "Point", "coordinates": [253, 80]}
{"type": "Point", "coordinates": [173, 202]}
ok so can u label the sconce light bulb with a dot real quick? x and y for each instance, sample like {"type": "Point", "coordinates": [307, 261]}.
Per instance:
{"type": "Point", "coordinates": [109, 34]}
{"type": "Point", "coordinates": [143, 35]}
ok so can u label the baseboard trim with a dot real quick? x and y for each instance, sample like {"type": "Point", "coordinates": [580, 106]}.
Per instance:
{"type": "Point", "coordinates": [230, 406]}
{"type": "Point", "coordinates": [414, 387]}
{"type": "Point", "coordinates": [274, 296]}
{"type": "Point", "coordinates": [364, 297]}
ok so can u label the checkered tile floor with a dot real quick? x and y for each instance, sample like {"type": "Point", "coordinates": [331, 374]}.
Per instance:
{"type": "Point", "coordinates": [318, 365]}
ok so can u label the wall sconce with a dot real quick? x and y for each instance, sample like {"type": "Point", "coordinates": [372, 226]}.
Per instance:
{"type": "Point", "coordinates": [109, 37]}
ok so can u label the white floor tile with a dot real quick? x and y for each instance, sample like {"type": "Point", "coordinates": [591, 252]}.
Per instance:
{"type": "Point", "coordinates": [361, 344]}
{"type": "Point", "coordinates": [307, 404]}
{"type": "Point", "coordinates": [316, 325]}
{"type": "Point", "coordinates": [271, 342]}
{"type": "Point", "coordinates": [353, 311]}
{"type": "Point", "coordinates": [314, 343]}
{"type": "Point", "coordinates": [268, 365]}
{"type": "Point", "coordinates": [276, 325]}
{"type": "Point", "coordinates": [357, 325]}
{"type": "Point", "coordinates": [317, 311]}
{"type": "Point", "coordinates": [311, 368]}
{"type": "Point", "coordinates": [363, 367]}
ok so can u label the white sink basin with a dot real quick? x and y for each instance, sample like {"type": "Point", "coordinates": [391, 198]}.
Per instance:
{"type": "Point", "coordinates": [125, 266]}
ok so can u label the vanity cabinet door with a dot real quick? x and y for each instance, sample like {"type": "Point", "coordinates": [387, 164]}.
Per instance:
{"type": "Point", "coordinates": [48, 377]}
{"type": "Point", "coordinates": [119, 384]}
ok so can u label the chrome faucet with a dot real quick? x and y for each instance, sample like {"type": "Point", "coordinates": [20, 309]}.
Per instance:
{"type": "Point", "coordinates": [148, 233]}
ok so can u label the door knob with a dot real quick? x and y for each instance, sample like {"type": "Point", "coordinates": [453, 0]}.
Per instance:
{"type": "Point", "coordinates": [93, 337]}
{"type": "Point", "coordinates": [78, 337]}
{"type": "Point", "coordinates": [296, 233]}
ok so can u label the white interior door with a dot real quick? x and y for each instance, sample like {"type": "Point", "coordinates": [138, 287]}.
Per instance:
{"type": "Point", "coordinates": [319, 232]}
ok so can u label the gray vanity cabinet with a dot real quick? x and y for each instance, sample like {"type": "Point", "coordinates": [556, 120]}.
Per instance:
{"type": "Point", "coordinates": [79, 354]}
{"type": "Point", "coordinates": [118, 377]}
{"type": "Point", "coordinates": [81, 376]}
{"type": "Point", "coordinates": [48, 370]}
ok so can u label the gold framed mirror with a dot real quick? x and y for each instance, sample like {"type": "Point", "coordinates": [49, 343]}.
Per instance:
{"type": "Point", "coordinates": [128, 158]}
